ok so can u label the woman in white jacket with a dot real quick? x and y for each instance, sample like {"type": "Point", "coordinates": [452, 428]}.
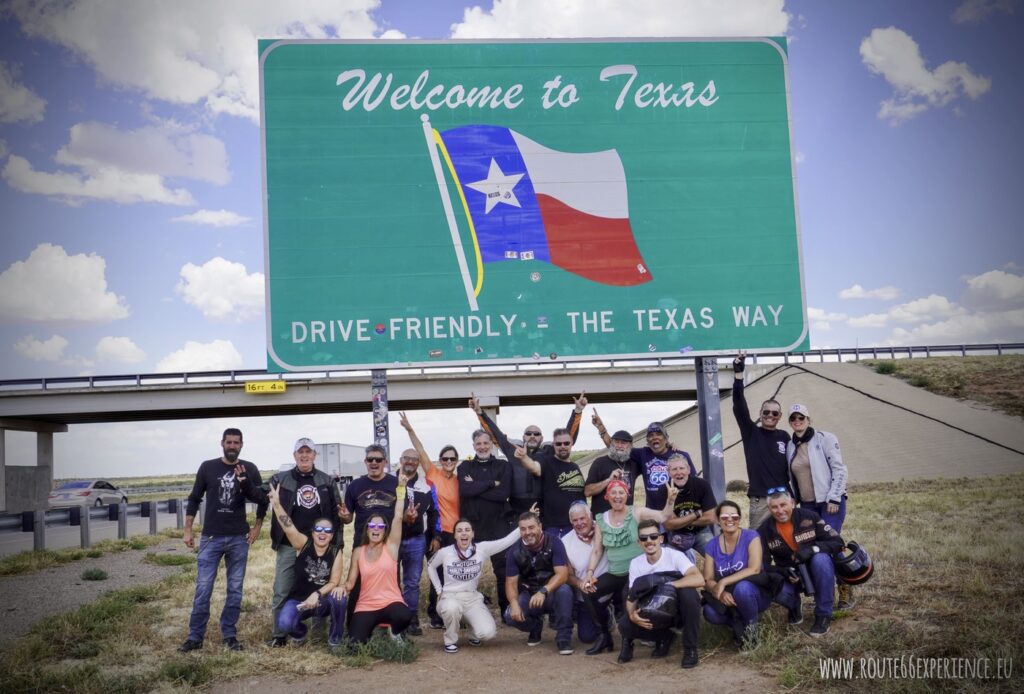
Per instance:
{"type": "Point", "coordinates": [818, 476]}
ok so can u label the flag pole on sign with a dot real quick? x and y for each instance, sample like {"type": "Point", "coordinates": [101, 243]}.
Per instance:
{"type": "Point", "coordinates": [449, 212]}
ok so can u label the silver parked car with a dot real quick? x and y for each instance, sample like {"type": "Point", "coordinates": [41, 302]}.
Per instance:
{"type": "Point", "coordinates": [87, 493]}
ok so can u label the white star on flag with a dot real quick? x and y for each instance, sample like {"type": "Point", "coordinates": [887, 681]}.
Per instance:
{"type": "Point", "coordinates": [497, 187]}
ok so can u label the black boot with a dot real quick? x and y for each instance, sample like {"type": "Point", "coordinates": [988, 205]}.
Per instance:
{"type": "Point", "coordinates": [603, 643]}
{"type": "Point", "coordinates": [626, 652]}
{"type": "Point", "coordinates": [661, 647]}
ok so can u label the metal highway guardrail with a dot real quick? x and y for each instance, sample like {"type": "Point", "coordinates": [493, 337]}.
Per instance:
{"type": "Point", "coordinates": [239, 377]}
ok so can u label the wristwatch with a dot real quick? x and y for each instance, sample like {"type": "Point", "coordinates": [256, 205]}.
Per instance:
{"type": "Point", "coordinates": [543, 590]}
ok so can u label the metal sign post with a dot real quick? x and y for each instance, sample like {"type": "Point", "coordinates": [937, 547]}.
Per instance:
{"type": "Point", "coordinates": [709, 413]}
{"type": "Point", "coordinates": [379, 392]}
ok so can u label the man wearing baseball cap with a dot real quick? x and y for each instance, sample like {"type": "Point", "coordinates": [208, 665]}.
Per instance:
{"type": "Point", "coordinates": [305, 494]}
{"type": "Point", "coordinates": [614, 465]}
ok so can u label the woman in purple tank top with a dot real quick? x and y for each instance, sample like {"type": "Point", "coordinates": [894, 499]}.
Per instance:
{"type": "Point", "coordinates": [732, 561]}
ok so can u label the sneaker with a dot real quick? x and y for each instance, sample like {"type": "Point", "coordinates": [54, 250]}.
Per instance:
{"type": "Point", "coordinates": [277, 642]}
{"type": "Point", "coordinates": [451, 648]}
{"type": "Point", "coordinates": [475, 642]}
{"type": "Point", "coordinates": [690, 658]}
{"type": "Point", "coordinates": [231, 643]}
{"type": "Point", "coordinates": [565, 648]}
{"type": "Point", "coordinates": [190, 645]}
{"type": "Point", "coordinates": [796, 615]}
{"type": "Point", "coordinates": [436, 623]}
{"type": "Point", "coordinates": [414, 629]}
{"type": "Point", "coordinates": [821, 626]}
{"type": "Point", "coordinates": [534, 638]}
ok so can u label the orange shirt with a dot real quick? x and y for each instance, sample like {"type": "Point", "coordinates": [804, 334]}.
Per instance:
{"type": "Point", "coordinates": [378, 581]}
{"type": "Point", "coordinates": [447, 497]}
{"type": "Point", "coordinates": [786, 533]}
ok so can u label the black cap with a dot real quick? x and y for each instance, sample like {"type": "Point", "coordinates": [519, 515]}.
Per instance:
{"type": "Point", "coordinates": [622, 435]}
{"type": "Point", "coordinates": [656, 428]}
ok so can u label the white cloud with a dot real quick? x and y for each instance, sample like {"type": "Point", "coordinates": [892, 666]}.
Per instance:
{"type": "Point", "coordinates": [995, 289]}
{"type": "Point", "coordinates": [52, 285]}
{"type": "Point", "coordinates": [166, 149]}
{"type": "Point", "coordinates": [102, 184]}
{"type": "Point", "coordinates": [887, 293]}
{"type": "Point", "coordinates": [977, 11]}
{"type": "Point", "coordinates": [799, 157]}
{"type": "Point", "coordinates": [822, 319]}
{"type": "Point", "coordinates": [189, 51]}
{"type": "Point", "coordinates": [119, 349]}
{"type": "Point", "coordinates": [17, 102]}
{"type": "Point", "coordinates": [998, 326]}
{"type": "Point", "coordinates": [45, 350]}
{"type": "Point", "coordinates": [894, 55]}
{"type": "Point", "coordinates": [584, 18]}
{"type": "Point", "coordinates": [222, 289]}
{"type": "Point", "coordinates": [392, 34]}
{"type": "Point", "coordinates": [214, 218]}
{"type": "Point", "coordinates": [871, 320]}
{"type": "Point", "coordinates": [218, 355]}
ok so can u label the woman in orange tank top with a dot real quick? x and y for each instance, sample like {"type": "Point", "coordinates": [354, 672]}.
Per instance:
{"type": "Point", "coordinates": [375, 565]}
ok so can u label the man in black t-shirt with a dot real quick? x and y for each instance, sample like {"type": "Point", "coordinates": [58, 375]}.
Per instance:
{"type": "Point", "coordinates": [694, 509]}
{"type": "Point", "coordinates": [376, 491]}
{"type": "Point", "coordinates": [227, 482]}
{"type": "Point", "coordinates": [561, 481]}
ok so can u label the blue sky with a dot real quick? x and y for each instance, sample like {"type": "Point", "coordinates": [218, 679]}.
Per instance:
{"type": "Point", "coordinates": [130, 180]}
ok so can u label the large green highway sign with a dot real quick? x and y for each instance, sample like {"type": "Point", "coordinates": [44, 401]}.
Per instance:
{"type": "Point", "coordinates": [483, 202]}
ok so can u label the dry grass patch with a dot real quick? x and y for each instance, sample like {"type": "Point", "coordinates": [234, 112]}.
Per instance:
{"type": "Point", "coordinates": [994, 381]}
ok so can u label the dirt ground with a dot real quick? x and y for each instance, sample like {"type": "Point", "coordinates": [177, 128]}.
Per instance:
{"type": "Point", "coordinates": [507, 661]}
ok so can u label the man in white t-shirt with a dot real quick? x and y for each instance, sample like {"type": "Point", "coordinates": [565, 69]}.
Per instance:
{"type": "Point", "coordinates": [579, 543]}
{"type": "Point", "coordinates": [661, 565]}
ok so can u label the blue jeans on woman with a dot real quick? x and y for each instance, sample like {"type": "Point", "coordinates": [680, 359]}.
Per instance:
{"type": "Point", "coordinates": [835, 520]}
{"type": "Point", "coordinates": [292, 622]}
{"type": "Point", "coordinates": [235, 551]}
{"type": "Point", "coordinates": [750, 602]}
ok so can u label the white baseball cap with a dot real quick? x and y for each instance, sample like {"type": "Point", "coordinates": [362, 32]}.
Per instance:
{"type": "Point", "coordinates": [799, 409]}
{"type": "Point", "coordinates": [304, 441]}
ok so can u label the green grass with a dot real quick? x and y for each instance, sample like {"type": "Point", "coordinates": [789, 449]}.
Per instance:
{"type": "Point", "coordinates": [94, 575]}
{"type": "Point", "coordinates": [380, 647]}
{"type": "Point", "coordinates": [994, 381]}
{"type": "Point", "coordinates": [170, 559]}
{"type": "Point", "coordinates": [30, 560]}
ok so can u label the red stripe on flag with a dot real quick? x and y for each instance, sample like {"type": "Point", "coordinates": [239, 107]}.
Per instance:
{"type": "Point", "coordinates": [598, 248]}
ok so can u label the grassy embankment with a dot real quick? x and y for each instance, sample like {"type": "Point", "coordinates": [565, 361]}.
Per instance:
{"type": "Point", "coordinates": [949, 573]}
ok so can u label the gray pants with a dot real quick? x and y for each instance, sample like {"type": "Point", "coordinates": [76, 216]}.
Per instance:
{"type": "Point", "coordinates": [284, 575]}
{"type": "Point", "coordinates": [758, 511]}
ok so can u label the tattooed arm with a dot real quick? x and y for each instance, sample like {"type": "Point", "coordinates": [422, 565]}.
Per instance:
{"type": "Point", "coordinates": [295, 538]}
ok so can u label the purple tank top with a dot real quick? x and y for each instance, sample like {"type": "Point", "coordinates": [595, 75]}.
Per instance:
{"type": "Point", "coordinates": [728, 564]}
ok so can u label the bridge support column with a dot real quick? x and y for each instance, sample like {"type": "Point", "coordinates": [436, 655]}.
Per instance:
{"type": "Point", "coordinates": [709, 414]}
{"type": "Point", "coordinates": [22, 487]}
{"type": "Point", "coordinates": [379, 393]}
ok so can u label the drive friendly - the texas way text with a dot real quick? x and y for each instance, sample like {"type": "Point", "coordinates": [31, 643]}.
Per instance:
{"type": "Point", "coordinates": [641, 320]}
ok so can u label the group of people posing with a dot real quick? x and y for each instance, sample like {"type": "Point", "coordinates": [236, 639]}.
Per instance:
{"type": "Point", "coordinates": [575, 548]}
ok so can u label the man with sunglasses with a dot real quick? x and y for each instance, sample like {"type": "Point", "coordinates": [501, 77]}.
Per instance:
{"type": "Point", "coordinates": [374, 491]}
{"type": "Point", "coordinates": [658, 565]}
{"type": "Point", "coordinates": [528, 487]}
{"type": "Point", "coordinates": [764, 446]}
{"type": "Point", "coordinates": [419, 532]}
{"type": "Point", "coordinates": [305, 494]}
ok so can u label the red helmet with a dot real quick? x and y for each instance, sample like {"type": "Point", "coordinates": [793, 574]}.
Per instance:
{"type": "Point", "coordinates": [855, 567]}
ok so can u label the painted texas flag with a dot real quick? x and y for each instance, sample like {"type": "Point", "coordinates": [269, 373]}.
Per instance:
{"type": "Point", "coordinates": [526, 201]}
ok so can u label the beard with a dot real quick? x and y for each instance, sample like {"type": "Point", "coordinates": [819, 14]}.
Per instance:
{"type": "Point", "coordinates": [231, 456]}
{"type": "Point", "coordinates": [618, 456]}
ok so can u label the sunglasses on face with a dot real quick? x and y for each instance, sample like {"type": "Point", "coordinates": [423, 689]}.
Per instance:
{"type": "Point", "coordinates": [563, 443]}
{"type": "Point", "coordinates": [532, 433]}
{"type": "Point", "coordinates": [375, 460]}
{"type": "Point", "coordinates": [770, 413]}
{"type": "Point", "coordinates": [323, 529]}
{"type": "Point", "coordinates": [449, 458]}
{"type": "Point", "coordinates": [410, 457]}
{"type": "Point", "coordinates": [649, 538]}
{"type": "Point", "coordinates": [728, 518]}
{"type": "Point", "coordinates": [376, 526]}
{"type": "Point", "coordinates": [797, 417]}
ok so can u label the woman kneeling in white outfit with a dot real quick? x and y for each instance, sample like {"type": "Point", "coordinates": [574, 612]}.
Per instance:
{"type": "Point", "coordinates": [459, 598]}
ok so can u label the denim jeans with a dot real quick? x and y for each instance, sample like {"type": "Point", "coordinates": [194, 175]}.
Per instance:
{"type": "Point", "coordinates": [823, 576]}
{"type": "Point", "coordinates": [557, 604]}
{"type": "Point", "coordinates": [835, 520]}
{"type": "Point", "coordinates": [410, 556]}
{"type": "Point", "coordinates": [750, 602]}
{"type": "Point", "coordinates": [291, 621]}
{"type": "Point", "coordinates": [235, 551]}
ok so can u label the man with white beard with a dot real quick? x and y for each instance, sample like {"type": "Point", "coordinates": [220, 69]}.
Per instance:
{"type": "Point", "coordinates": [616, 464]}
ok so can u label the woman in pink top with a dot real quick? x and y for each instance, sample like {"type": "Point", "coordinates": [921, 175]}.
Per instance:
{"type": "Point", "coordinates": [375, 566]}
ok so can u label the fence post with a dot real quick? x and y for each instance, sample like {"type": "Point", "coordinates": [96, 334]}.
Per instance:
{"type": "Point", "coordinates": [122, 521]}
{"type": "Point", "coordinates": [38, 530]}
{"type": "Point", "coordinates": [999, 349]}
{"type": "Point", "coordinates": [179, 512]}
{"type": "Point", "coordinates": [83, 528]}
{"type": "Point", "coordinates": [152, 517]}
